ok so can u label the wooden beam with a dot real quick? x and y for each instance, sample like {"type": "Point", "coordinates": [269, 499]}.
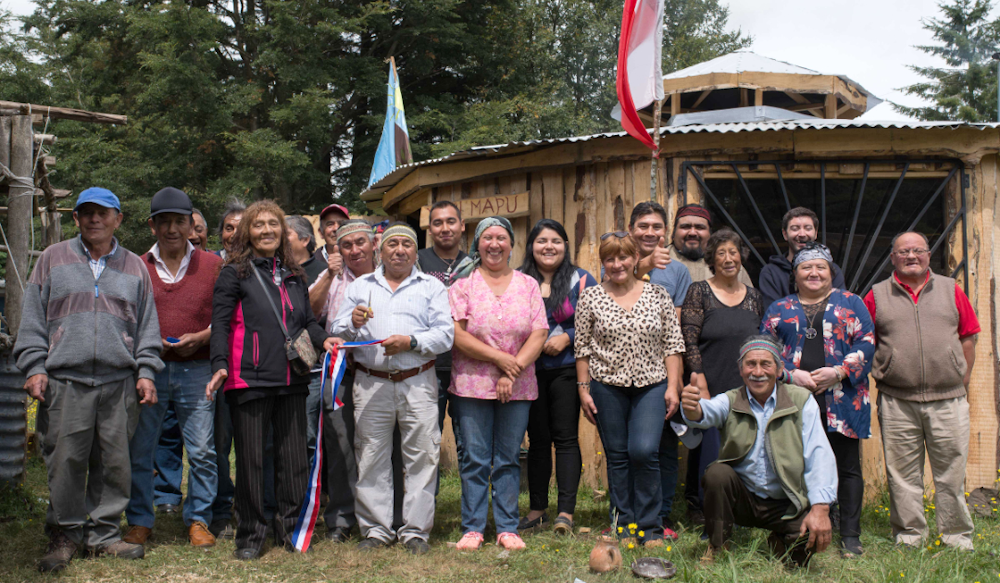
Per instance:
{"type": "Point", "coordinates": [675, 104]}
{"type": "Point", "coordinates": [45, 139]}
{"type": "Point", "coordinates": [20, 205]}
{"type": "Point", "coordinates": [33, 253]}
{"type": "Point", "coordinates": [806, 107]}
{"type": "Point", "coordinates": [758, 97]}
{"type": "Point", "coordinates": [830, 106]}
{"type": "Point", "coordinates": [796, 97]}
{"type": "Point", "coordinates": [701, 98]}
{"type": "Point", "coordinates": [3, 211]}
{"type": "Point", "coordinates": [66, 113]}
{"type": "Point", "coordinates": [744, 97]}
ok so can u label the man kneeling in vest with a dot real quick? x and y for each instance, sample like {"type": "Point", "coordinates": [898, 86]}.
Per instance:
{"type": "Point", "coordinates": [776, 469]}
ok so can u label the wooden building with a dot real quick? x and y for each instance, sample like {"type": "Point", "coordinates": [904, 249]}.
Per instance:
{"type": "Point", "coordinates": [749, 137]}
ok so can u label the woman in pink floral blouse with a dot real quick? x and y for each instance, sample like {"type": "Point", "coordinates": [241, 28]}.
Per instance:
{"type": "Point", "coordinates": [500, 327]}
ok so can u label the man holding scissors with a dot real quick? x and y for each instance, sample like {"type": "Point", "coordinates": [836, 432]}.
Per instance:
{"type": "Point", "coordinates": [394, 383]}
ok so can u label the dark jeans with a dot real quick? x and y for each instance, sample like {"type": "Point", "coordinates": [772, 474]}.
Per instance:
{"type": "Point", "coordinates": [729, 502]}
{"type": "Point", "coordinates": [851, 488]}
{"type": "Point", "coordinates": [169, 462]}
{"type": "Point", "coordinates": [851, 485]}
{"type": "Point", "coordinates": [668, 470]}
{"type": "Point", "coordinates": [340, 468]}
{"type": "Point", "coordinates": [285, 415]}
{"type": "Point", "coordinates": [630, 422]}
{"type": "Point", "coordinates": [444, 381]}
{"type": "Point", "coordinates": [554, 420]}
{"type": "Point", "coordinates": [699, 459]}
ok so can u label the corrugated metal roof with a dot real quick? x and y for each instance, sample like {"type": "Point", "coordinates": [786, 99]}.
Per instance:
{"type": "Point", "coordinates": [740, 61]}
{"type": "Point", "coordinates": [390, 180]}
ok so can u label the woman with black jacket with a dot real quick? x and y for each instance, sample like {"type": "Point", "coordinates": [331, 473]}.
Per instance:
{"type": "Point", "coordinates": [249, 362]}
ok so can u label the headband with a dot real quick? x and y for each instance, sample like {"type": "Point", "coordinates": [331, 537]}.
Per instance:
{"type": "Point", "coordinates": [468, 264]}
{"type": "Point", "coordinates": [770, 346]}
{"type": "Point", "coordinates": [350, 228]}
{"type": "Point", "coordinates": [399, 230]}
{"type": "Point", "coordinates": [695, 211]}
{"type": "Point", "coordinates": [816, 251]}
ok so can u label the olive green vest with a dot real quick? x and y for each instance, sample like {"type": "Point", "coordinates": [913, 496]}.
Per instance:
{"type": "Point", "coordinates": [783, 440]}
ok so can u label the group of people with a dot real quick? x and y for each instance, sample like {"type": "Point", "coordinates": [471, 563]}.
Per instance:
{"type": "Point", "coordinates": [209, 352]}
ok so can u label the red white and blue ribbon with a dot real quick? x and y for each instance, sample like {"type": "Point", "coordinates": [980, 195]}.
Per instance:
{"type": "Point", "coordinates": [334, 367]}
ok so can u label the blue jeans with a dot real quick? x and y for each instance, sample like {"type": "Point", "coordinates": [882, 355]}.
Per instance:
{"type": "Point", "coordinates": [444, 381]}
{"type": "Point", "coordinates": [491, 445]}
{"type": "Point", "coordinates": [630, 422]}
{"type": "Point", "coordinates": [668, 470]}
{"type": "Point", "coordinates": [169, 462]}
{"type": "Point", "coordinates": [183, 384]}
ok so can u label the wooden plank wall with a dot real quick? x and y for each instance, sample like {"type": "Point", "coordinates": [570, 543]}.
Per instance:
{"type": "Point", "coordinates": [591, 199]}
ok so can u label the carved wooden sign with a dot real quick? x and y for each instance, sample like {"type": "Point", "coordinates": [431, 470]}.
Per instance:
{"type": "Point", "coordinates": [474, 209]}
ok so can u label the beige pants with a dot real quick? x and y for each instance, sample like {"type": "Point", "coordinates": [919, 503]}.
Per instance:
{"type": "Point", "coordinates": [943, 427]}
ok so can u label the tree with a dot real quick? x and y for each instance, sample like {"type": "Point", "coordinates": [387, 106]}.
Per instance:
{"type": "Point", "coordinates": [966, 88]}
{"type": "Point", "coordinates": [285, 98]}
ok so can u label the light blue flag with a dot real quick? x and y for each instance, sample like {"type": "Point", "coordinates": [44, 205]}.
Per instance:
{"type": "Point", "coordinates": [394, 147]}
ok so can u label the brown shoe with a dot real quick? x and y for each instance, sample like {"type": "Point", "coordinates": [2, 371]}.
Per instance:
{"type": "Point", "coordinates": [58, 554]}
{"type": "Point", "coordinates": [137, 535]}
{"type": "Point", "coordinates": [121, 549]}
{"type": "Point", "coordinates": [199, 535]}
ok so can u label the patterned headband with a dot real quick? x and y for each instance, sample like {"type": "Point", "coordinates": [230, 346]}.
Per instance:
{"type": "Point", "coordinates": [351, 228]}
{"type": "Point", "coordinates": [695, 211]}
{"type": "Point", "coordinates": [399, 231]}
{"type": "Point", "coordinates": [816, 251]}
{"type": "Point", "coordinates": [761, 344]}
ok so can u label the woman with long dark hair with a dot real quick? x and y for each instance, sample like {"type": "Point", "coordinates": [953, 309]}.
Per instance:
{"type": "Point", "coordinates": [554, 417]}
{"type": "Point", "coordinates": [259, 281]}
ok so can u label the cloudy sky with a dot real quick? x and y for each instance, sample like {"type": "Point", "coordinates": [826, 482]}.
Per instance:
{"type": "Point", "coordinates": [870, 41]}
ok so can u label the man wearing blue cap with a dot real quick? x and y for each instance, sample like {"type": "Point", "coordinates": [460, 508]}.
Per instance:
{"type": "Point", "coordinates": [89, 344]}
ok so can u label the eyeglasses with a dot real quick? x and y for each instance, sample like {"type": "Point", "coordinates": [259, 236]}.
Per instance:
{"type": "Point", "coordinates": [908, 252]}
{"type": "Point", "coordinates": [619, 234]}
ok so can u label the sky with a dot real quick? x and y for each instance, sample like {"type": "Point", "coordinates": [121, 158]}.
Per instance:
{"type": "Point", "coordinates": [870, 41]}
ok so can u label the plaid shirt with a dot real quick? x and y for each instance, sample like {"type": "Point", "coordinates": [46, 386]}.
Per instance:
{"type": "Point", "coordinates": [97, 265]}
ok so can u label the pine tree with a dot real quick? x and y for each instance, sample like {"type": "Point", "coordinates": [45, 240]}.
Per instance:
{"type": "Point", "coordinates": [966, 88]}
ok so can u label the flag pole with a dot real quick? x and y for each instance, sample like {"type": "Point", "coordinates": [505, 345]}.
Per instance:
{"type": "Point", "coordinates": [654, 170]}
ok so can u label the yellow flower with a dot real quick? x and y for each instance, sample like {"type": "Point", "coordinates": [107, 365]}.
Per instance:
{"type": "Point", "coordinates": [631, 545]}
{"type": "Point", "coordinates": [937, 543]}
{"type": "Point", "coordinates": [619, 530]}
{"type": "Point", "coordinates": [642, 534]}
{"type": "Point", "coordinates": [668, 549]}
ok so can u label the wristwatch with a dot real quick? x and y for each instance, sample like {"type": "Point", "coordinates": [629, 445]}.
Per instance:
{"type": "Point", "coordinates": [413, 342]}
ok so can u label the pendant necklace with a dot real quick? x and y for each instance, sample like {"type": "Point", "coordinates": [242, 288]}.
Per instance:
{"type": "Point", "coordinates": [811, 331]}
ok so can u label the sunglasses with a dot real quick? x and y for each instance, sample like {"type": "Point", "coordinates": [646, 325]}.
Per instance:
{"type": "Point", "coordinates": [619, 234]}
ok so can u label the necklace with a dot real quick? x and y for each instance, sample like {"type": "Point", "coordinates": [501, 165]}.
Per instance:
{"type": "Point", "coordinates": [811, 331]}
{"type": "Point", "coordinates": [450, 264]}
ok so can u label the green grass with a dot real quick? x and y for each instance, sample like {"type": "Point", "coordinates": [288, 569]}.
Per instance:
{"type": "Point", "coordinates": [548, 557]}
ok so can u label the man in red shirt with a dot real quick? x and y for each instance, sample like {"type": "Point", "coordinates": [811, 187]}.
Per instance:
{"type": "Point", "coordinates": [183, 281]}
{"type": "Point", "coordinates": [925, 332]}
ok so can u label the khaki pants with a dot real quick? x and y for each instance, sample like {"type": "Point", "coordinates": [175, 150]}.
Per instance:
{"type": "Point", "coordinates": [84, 432]}
{"type": "Point", "coordinates": [943, 428]}
{"type": "Point", "coordinates": [380, 404]}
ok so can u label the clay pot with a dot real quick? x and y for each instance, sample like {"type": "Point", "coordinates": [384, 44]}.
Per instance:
{"type": "Point", "coordinates": [605, 557]}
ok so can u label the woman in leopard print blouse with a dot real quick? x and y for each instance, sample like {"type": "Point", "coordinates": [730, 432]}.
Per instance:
{"type": "Point", "coordinates": [628, 367]}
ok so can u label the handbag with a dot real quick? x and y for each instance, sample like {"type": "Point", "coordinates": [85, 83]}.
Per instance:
{"type": "Point", "coordinates": [300, 351]}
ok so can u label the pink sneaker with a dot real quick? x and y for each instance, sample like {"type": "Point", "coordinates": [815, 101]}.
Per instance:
{"type": "Point", "coordinates": [471, 541]}
{"type": "Point", "coordinates": [510, 541]}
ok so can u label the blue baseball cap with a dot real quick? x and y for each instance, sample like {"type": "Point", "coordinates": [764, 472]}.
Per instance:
{"type": "Point", "coordinates": [99, 196]}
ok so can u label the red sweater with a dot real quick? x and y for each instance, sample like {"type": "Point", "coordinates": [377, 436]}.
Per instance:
{"type": "Point", "coordinates": [186, 306]}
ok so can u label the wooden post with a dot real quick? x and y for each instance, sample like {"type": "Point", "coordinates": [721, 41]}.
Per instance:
{"type": "Point", "coordinates": [19, 212]}
{"type": "Point", "coordinates": [654, 167]}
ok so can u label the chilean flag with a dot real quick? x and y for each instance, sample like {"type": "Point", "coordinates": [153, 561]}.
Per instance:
{"type": "Point", "coordinates": [640, 74]}
{"type": "Point", "coordinates": [334, 367]}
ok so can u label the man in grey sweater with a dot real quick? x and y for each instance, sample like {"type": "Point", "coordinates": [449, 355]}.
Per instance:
{"type": "Point", "coordinates": [89, 343]}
